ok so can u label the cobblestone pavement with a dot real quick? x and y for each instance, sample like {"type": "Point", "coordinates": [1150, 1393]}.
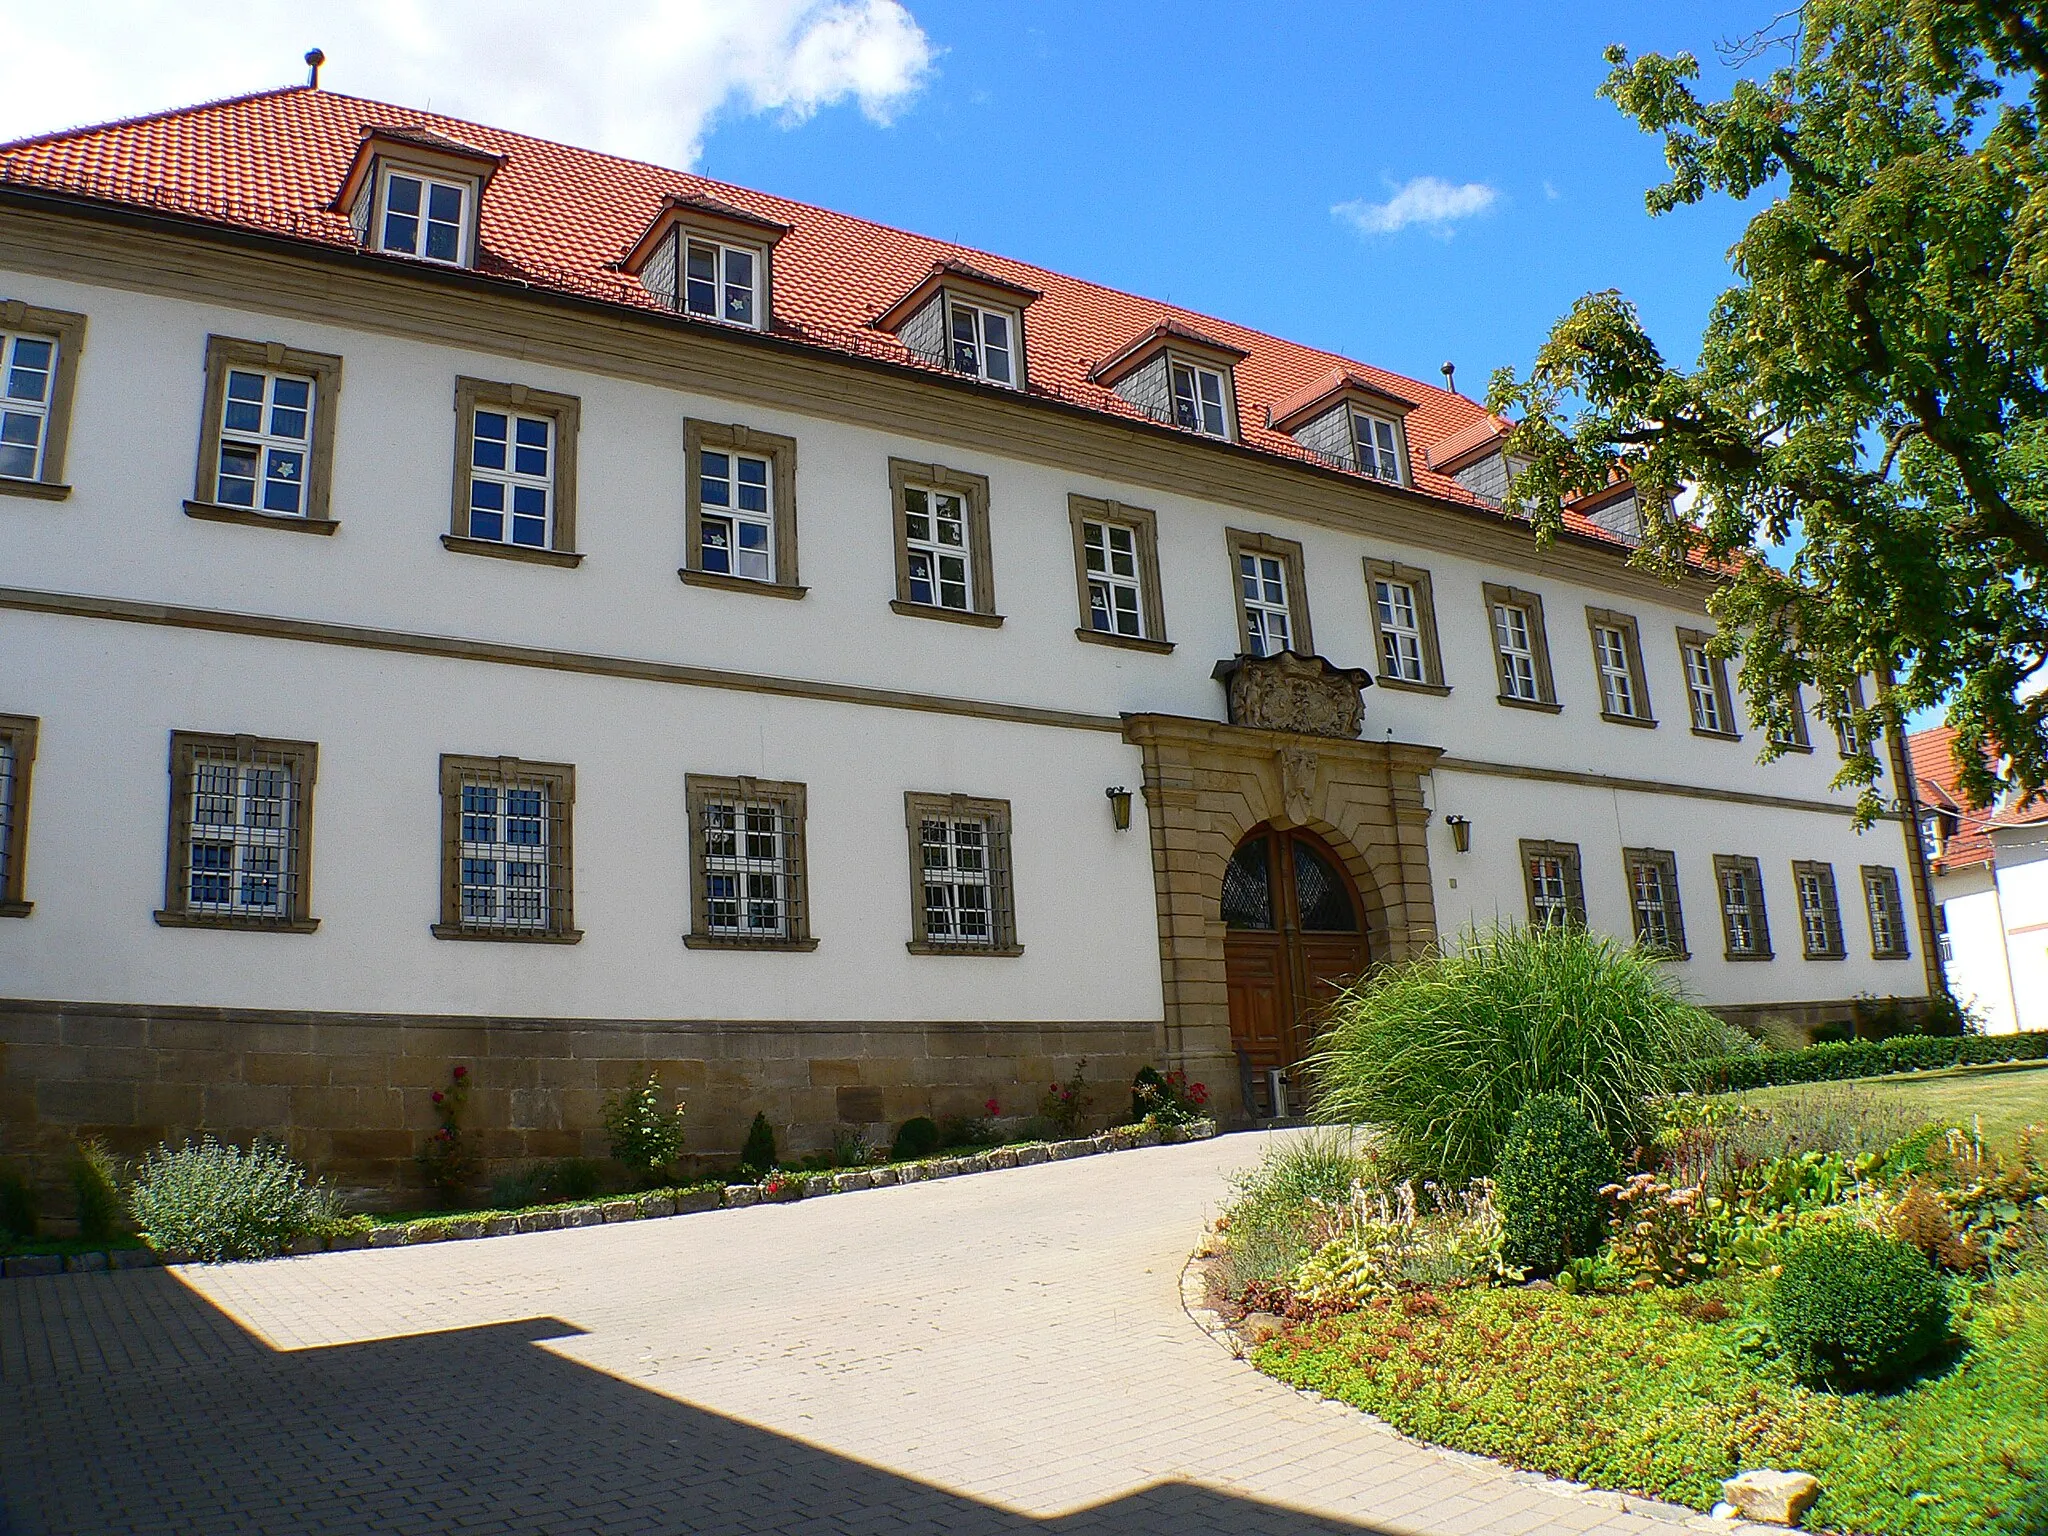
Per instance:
{"type": "Point", "coordinates": [994, 1356]}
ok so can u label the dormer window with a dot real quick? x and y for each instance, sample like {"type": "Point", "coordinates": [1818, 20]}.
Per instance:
{"type": "Point", "coordinates": [1198, 399]}
{"type": "Point", "coordinates": [722, 282]}
{"type": "Point", "coordinates": [709, 259]}
{"type": "Point", "coordinates": [1350, 420]}
{"type": "Point", "coordinates": [412, 192]}
{"type": "Point", "coordinates": [1177, 376]}
{"type": "Point", "coordinates": [1375, 440]}
{"type": "Point", "coordinates": [424, 217]}
{"type": "Point", "coordinates": [965, 321]}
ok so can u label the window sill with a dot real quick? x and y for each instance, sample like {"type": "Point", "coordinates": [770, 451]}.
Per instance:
{"type": "Point", "coordinates": [16, 908]}
{"type": "Point", "coordinates": [1540, 706]}
{"type": "Point", "coordinates": [1794, 746]}
{"type": "Point", "coordinates": [1700, 730]}
{"type": "Point", "coordinates": [1748, 955]}
{"type": "Point", "coordinates": [721, 941]}
{"type": "Point", "coordinates": [247, 517]}
{"type": "Point", "coordinates": [1125, 642]}
{"type": "Point", "coordinates": [37, 490]}
{"type": "Point", "coordinates": [504, 935]}
{"type": "Point", "coordinates": [1889, 954]}
{"type": "Point", "coordinates": [1641, 721]}
{"type": "Point", "coordinates": [229, 920]}
{"type": "Point", "coordinates": [526, 552]}
{"type": "Point", "coordinates": [724, 583]}
{"type": "Point", "coordinates": [1408, 685]}
{"type": "Point", "coordinates": [950, 615]}
{"type": "Point", "coordinates": [968, 951]}
{"type": "Point", "coordinates": [1665, 954]}
{"type": "Point", "coordinates": [1834, 954]}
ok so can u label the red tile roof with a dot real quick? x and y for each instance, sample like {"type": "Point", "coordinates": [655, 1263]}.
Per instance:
{"type": "Point", "coordinates": [560, 218]}
{"type": "Point", "coordinates": [1931, 755]}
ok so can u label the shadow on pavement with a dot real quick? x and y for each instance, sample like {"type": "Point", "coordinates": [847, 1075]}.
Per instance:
{"type": "Point", "coordinates": [129, 1404]}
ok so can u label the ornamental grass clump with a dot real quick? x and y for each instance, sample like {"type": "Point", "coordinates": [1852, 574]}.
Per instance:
{"type": "Point", "coordinates": [1853, 1308]}
{"type": "Point", "coordinates": [211, 1200]}
{"type": "Point", "coordinates": [1548, 1182]}
{"type": "Point", "coordinates": [1440, 1053]}
{"type": "Point", "coordinates": [1291, 1203]}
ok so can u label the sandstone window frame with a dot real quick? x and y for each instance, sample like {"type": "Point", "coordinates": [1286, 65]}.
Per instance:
{"type": "Point", "coordinates": [1597, 619]}
{"type": "Point", "coordinates": [906, 475]}
{"type": "Point", "coordinates": [1417, 580]}
{"type": "Point", "coordinates": [1883, 901]}
{"type": "Point", "coordinates": [559, 780]}
{"type": "Point", "coordinates": [1794, 735]}
{"type": "Point", "coordinates": [701, 791]}
{"type": "Point", "coordinates": [67, 329]}
{"type": "Point", "coordinates": [1831, 944]}
{"type": "Point", "coordinates": [1698, 642]}
{"type": "Point", "coordinates": [780, 452]}
{"type": "Point", "coordinates": [1499, 595]}
{"type": "Point", "coordinates": [1750, 873]}
{"type": "Point", "coordinates": [920, 806]}
{"type": "Point", "coordinates": [1665, 862]}
{"type": "Point", "coordinates": [472, 395]}
{"type": "Point", "coordinates": [1570, 873]}
{"type": "Point", "coordinates": [1144, 526]}
{"type": "Point", "coordinates": [1241, 542]}
{"type": "Point", "coordinates": [225, 354]}
{"type": "Point", "coordinates": [188, 750]}
{"type": "Point", "coordinates": [18, 734]}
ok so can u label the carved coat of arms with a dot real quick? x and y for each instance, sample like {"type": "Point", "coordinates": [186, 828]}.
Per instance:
{"type": "Point", "coordinates": [1295, 693]}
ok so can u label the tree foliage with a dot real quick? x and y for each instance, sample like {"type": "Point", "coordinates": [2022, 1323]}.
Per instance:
{"type": "Point", "coordinates": [1871, 395]}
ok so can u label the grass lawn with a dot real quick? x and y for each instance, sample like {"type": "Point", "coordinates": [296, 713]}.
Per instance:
{"type": "Point", "coordinates": [1664, 1393]}
{"type": "Point", "coordinates": [2005, 1097]}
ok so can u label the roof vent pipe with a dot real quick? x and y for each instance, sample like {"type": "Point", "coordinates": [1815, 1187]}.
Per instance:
{"type": "Point", "coordinates": [1450, 373]}
{"type": "Point", "coordinates": [314, 59]}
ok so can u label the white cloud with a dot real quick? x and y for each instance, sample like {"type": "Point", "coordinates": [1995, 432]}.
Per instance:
{"type": "Point", "coordinates": [1429, 201]}
{"type": "Point", "coordinates": [636, 77]}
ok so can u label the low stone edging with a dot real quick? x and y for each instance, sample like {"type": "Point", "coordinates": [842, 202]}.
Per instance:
{"type": "Point", "coordinates": [797, 1186]}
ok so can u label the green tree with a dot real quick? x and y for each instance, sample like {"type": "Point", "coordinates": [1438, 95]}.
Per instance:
{"type": "Point", "coordinates": [1869, 395]}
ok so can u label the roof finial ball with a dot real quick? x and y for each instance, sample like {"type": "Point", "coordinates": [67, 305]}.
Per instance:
{"type": "Point", "coordinates": [314, 59]}
{"type": "Point", "coordinates": [1450, 373]}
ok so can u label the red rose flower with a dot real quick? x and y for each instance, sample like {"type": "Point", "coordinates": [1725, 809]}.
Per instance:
{"type": "Point", "coordinates": [437, 1095]}
{"type": "Point", "coordinates": [993, 1107]}
{"type": "Point", "coordinates": [462, 1072]}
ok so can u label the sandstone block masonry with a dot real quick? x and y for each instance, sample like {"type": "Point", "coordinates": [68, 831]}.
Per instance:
{"type": "Point", "coordinates": [351, 1094]}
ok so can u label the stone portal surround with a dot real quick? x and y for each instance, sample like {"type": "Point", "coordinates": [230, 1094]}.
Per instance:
{"type": "Point", "coordinates": [351, 1094]}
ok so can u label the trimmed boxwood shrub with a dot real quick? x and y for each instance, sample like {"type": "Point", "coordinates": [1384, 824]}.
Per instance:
{"type": "Point", "coordinates": [1854, 1308]}
{"type": "Point", "coordinates": [1866, 1058]}
{"type": "Point", "coordinates": [919, 1137]}
{"type": "Point", "coordinates": [1547, 1184]}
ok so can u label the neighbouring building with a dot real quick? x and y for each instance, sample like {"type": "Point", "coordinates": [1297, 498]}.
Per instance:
{"type": "Point", "coordinates": [1989, 872]}
{"type": "Point", "coordinates": [470, 599]}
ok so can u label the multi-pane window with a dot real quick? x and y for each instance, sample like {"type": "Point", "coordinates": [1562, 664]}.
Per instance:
{"type": "Point", "coordinates": [1850, 737]}
{"type": "Point", "coordinates": [28, 379]}
{"type": "Point", "coordinates": [1887, 913]}
{"type": "Point", "coordinates": [1515, 639]}
{"type": "Point", "coordinates": [1550, 875]}
{"type": "Point", "coordinates": [935, 539]}
{"type": "Point", "coordinates": [511, 478]}
{"type": "Point", "coordinates": [1262, 583]}
{"type": "Point", "coordinates": [424, 217]}
{"type": "Point", "coordinates": [1198, 400]}
{"type": "Point", "coordinates": [721, 281]}
{"type": "Point", "coordinates": [747, 852]}
{"type": "Point", "coordinates": [1116, 587]}
{"type": "Point", "coordinates": [266, 441]}
{"type": "Point", "coordinates": [1745, 929]}
{"type": "Point", "coordinates": [981, 343]}
{"type": "Point", "coordinates": [1400, 616]}
{"type": "Point", "coordinates": [736, 514]}
{"type": "Point", "coordinates": [505, 848]}
{"type": "Point", "coordinates": [1617, 674]}
{"type": "Point", "coordinates": [1375, 440]}
{"type": "Point", "coordinates": [961, 899]}
{"type": "Point", "coordinates": [17, 757]}
{"type": "Point", "coordinates": [239, 808]}
{"type": "Point", "coordinates": [1788, 723]}
{"type": "Point", "coordinates": [1653, 899]}
{"type": "Point", "coordinates": [1820, 919]}
{"type": "Point", "coordinates": [1703, 685]}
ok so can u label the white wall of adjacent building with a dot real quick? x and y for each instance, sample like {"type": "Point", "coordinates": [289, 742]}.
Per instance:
{"type": "Point", "coordinates": [1996, 917]}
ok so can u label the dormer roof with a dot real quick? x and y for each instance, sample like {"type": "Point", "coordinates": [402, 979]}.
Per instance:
{"type": "Point", "coordinates": [1469, 444]}
{"type": "Point", "coordinates": [1149, 343]}
{"type": "Point", "coordinates": [1331, 389]}
{"type": "Point", "coordinates": [701, 211]}
{"type": "Point", "coordinates": [956, 276]}
{"type": "Point", "coordinates": [414, 145]}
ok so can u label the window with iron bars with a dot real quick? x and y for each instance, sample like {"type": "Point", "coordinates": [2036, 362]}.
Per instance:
{"type": "Point", "coordinates": [17, 760]}
{"type": "Point", "coordinates": [1557, 895]}
{"type": "Point", "coordinates": [1745, 927]}
{"type": "Point", "coordinates": [1820, 917]}
{"type": "Point", "coordinates": [505, 850]}
{"type": "Point", "coordinates": [748, 872]}
{"type": "Point", "coordinates": [241, 813]}
{"type": "Point", "coordinates": [1653, 895]}
{"type": "Point", "coordinates": [1887, 913]}
{"type": "Point", "coordinates": [962, 900]}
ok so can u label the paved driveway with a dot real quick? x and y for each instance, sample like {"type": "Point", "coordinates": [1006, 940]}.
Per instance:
{"type": "Point", "coordinates": [997, 1356]}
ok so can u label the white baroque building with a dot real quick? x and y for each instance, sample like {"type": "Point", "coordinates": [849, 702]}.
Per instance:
{"type": "Point", "coordinates": [468, 599]}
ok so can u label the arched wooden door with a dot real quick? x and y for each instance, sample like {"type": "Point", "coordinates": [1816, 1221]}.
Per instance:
{"type": "Point", "coordinates": [1295, 935]}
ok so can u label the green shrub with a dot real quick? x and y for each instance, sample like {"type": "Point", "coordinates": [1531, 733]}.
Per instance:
{"type": "Point", "coordinates": [1854, 1308]}
{"type": "Point", "coordinates": [210, 1200]}
{"type": "Point", "coordinates": [1285, 1206]}
{"type": "Point", "coordinates": [96, 1186]}
{"type": "Point", "coordinates": [759, 1151]}
{"type": "Point", "coordinates": [563, 1178]}
{"type": "Point", "coordinates": [918, 1138]}
{"type": "Point", "coordinates": [1167, 1097]}
{"type": "Point", "coordinates": [20, 1205]}
{"type": "Point", "coordinates": [1547, 1183]}
{"type": "Point", "coordinates": [646, 1133]}
{"type": "Point", "coordinates": [1441, 1052]}
{"type": "Point", "coordinates": [1842, 1060]}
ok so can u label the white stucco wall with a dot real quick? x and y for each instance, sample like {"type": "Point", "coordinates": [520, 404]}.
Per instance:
{"type": "Point", "coordinates": [1976, 967]}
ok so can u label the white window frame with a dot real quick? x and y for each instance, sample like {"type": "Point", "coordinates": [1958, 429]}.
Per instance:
{"type": "Point", "coordinates": [1193, 409]}
{"type": "Point", "coordinates": [949, 866]}
{"type": "Point", "coordinates": [1617, 670]}
{"type": "Point", "coordinates": [1738, 913]}
{"type": "Point", "coordinates": [511, 478]}
{"type": "Point", "coordinates": [747, 842]}
{"type": "Point", "coordinates": [1400, 613]}
{"type": "Point", "coordinates": [935, 554]}
{"type": "Point", "coordinates": [723, 286]}
{"type": "Point", "coordinates": [18, 408]}
{"type": "Point", "coordinates": [1701, 687]}
{"type": "Point", "coordinates": [1518, 651]}
{"type": "Point", "coordinates": [529, 860]}
{"type": "Point", "coordinates": [428, 183]}
{"type": "Point", "coordinates": [1380, 459]}
{"type": "Point", "coordinates": [1116, 578]}
{"type": "Point", "coordinates": [747, 563]}
{"type": "Point", "coordinates": [227, 817]}
{"type": "Point", "coordinates": [975, 360]}
{"type": "Point", "coordinates": [270, 448]}
{"type": "Point", "coordinates": [1267, 618]}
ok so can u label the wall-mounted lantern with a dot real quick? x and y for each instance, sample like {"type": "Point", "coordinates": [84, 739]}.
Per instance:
{"type": "Point", "coordinates": [1120, 807]}
{"type": "Point", "coordinates": [1461, 833]}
